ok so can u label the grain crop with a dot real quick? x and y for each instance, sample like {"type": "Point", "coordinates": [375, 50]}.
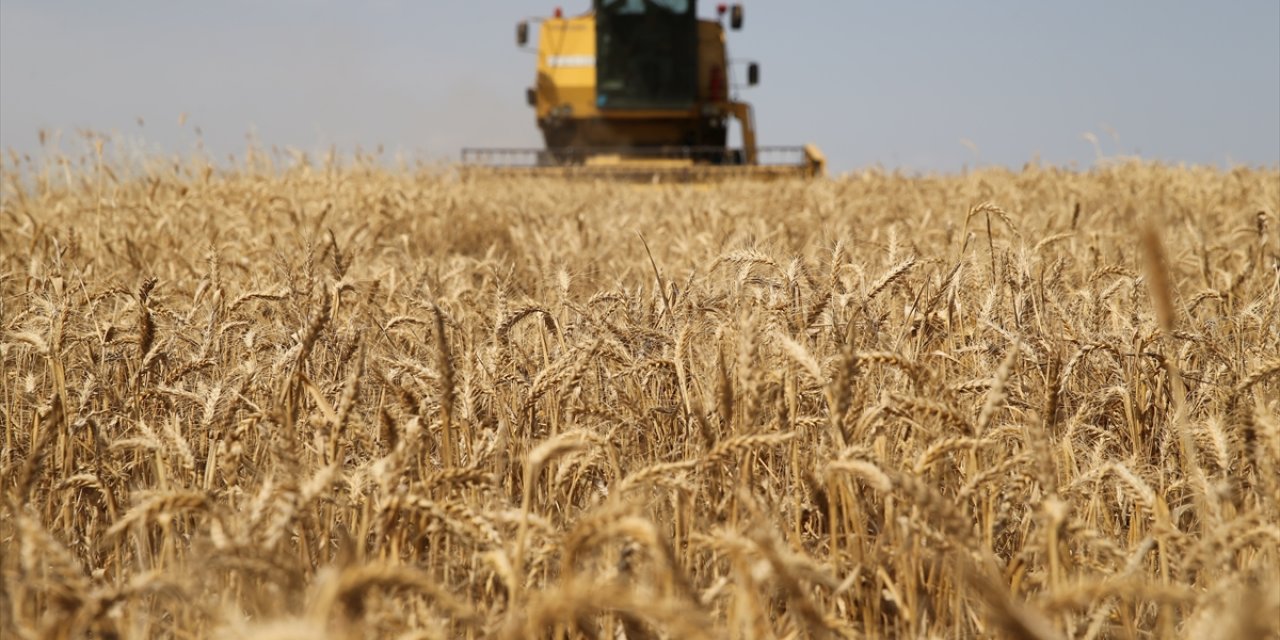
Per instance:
{"type": "Point", "coordinates": [345, 398]}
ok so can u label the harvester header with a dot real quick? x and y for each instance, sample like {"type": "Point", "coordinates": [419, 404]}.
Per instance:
{"type": "Point", "coordinates": [642, 88]}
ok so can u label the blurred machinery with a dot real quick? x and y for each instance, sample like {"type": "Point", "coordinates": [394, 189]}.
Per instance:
{"type": "Point", "coordinates": [642, 89]}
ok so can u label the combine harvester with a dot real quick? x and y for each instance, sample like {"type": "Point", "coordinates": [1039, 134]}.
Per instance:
{"type": "Point", "coordinates": [641, 90]}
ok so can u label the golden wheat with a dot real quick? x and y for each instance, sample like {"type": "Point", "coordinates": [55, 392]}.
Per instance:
{"type": "Point", "coordinates": [282, 400]}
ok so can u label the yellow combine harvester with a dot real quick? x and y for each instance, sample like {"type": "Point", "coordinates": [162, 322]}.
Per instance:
{"type": "Point", "coordinates": [641, 89]}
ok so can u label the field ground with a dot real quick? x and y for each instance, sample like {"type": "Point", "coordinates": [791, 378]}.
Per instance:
{"type": "Point", "coordinates": [357, 402]}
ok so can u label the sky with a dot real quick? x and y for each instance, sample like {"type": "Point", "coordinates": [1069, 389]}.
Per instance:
{"type": "Point", "coordinates": [921, 86]}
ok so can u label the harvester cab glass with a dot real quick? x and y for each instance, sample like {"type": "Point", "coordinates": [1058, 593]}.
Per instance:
{"type": "Point", "coordinates": [646, 54]}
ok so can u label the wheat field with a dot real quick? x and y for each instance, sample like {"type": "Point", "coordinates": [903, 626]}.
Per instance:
{"type": "Point", "coordinates": [353, 400]}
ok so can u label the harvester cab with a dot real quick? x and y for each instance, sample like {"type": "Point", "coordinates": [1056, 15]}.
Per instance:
{"type": "Point", "coordinates": [642, 88]}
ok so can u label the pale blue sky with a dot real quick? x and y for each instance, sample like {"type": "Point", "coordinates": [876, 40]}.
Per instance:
{"type": "Point", "coordinates": [899, 84]}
